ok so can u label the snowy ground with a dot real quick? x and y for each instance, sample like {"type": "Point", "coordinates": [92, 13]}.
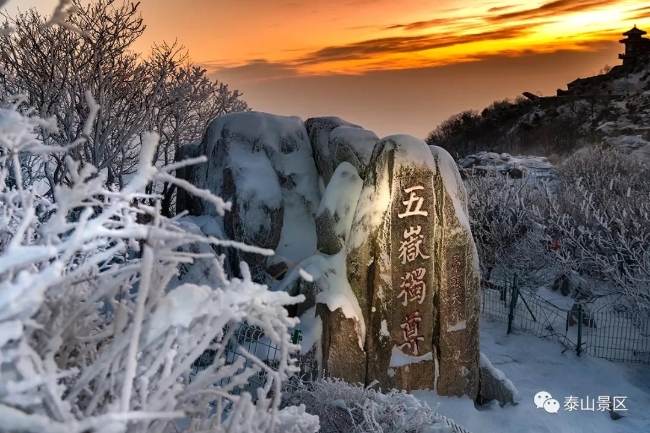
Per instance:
{"type": "Point", "coordinates": [534, 364]}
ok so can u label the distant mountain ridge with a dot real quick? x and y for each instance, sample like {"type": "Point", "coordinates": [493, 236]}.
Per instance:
{"type": "Point", "coordinates": [611, 109]}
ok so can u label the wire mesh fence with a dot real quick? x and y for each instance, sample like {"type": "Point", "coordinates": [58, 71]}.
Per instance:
{"type": "Point", "coordinates": [253, 341]}
{"type": "Point", "coordinates": [617, 336]}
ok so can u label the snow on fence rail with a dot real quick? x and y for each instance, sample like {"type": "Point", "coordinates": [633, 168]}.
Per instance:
{"type": "Point", "coordinates": [616, 336]}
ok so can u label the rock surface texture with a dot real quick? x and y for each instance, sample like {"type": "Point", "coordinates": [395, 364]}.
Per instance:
{"type": "Point", "coordinates": [373, 232]}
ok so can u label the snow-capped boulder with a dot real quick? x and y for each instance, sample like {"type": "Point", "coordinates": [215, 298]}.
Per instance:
{"type": "Point", "coordinates": [634, 145]}
{"type": "Point", "coordinates": [413, 267]}
{"type": "Point", "coordinates": [332, 307]}
{"type": "Point", "coordinates": [377, 242]}
{"type": "Point", "coordinates": [263, 164]}
{"type": "Point", "coordinates": [334, 140]}
{"type": "Point", "coordinates": [336, 210]}
{"type": "Point", "coordinates": [495, 385]}
{"type": "Point", "coordinates": [353, 145]}
{"type": "Point", "coordinates": [342, 357]}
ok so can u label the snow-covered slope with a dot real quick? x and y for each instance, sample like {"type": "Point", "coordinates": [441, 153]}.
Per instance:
{"type": "Point", "coordinates": [617, 112]}
{"type": "Point", "coordinates": [534, 364]}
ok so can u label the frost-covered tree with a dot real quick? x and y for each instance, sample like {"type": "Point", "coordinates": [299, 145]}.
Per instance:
{"type": "Point", "coordinates": [598, 214]}
{"type": "Point", "coordinates": [602, 216]}
{"type": "Point", "coordinates": [184, 110]}
{"type": "Point", "coordinates": [92, 340]}
{"type": "Point", "coordinates": [505, 225]}
{"type": "Point", "coordinates": [53, 67]}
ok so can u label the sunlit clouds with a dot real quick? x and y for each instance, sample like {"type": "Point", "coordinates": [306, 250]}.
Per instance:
{"type": "Point", "coordinates": [448, 36]}
{"type": "Point", "coordinates": [390, 66]}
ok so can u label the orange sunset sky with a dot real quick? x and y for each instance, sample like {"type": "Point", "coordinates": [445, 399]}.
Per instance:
{"type": "Point", "coordinates": [390, 66]}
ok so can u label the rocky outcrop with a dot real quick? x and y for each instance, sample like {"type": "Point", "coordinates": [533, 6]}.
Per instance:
{"type": "Point", "coordinates": [263, 164]}
{"type": "Point", "coordinates": [457, 268]}
{"type": "Point", "coordinates": [517, 167]}
{"type": "Point", "coordinates": [495, 386]}
{"type": "Point", "coordinates": [412, 265]}
{"type": "Point", "coordinates": [337, 207]}
{"type": "Point", "coordinates": [334, 141]}
{"type": "Point", "coordinates": [343, 358]}
{"type": "Point", "coordinates": [373, 233]}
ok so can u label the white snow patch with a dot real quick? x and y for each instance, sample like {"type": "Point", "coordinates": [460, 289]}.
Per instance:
{"type": "Point", "coordinates": [535, 364]}
{"type": "Point", "coordinates": [383, 331]}
{"type": "Point", "coordinates": [311, 327]}
{"type": "Point", "coordinates": [412, 151]}
{"type": "Point", "coordinates": [400, 359]}
{"type": "Point", "coordinates": [298, 238]}
{"type": "Point", "coordinates": [177, 308]}
{"type": "Point", "coordinates": [341, 197]}
{"type": "Point", "coordinates": [391, 372]}
{"type": "Point", "coordinates": [371, 208]}
{"type": "Point", "coordinates": [305, 275]}
{"type": "Point", "coordinates": [458, 326]}
{"type": "Point", "coordinates": [254, 175]}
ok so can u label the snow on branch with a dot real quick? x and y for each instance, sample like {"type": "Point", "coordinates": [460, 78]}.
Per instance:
{"type": "Point", "coordinates": [91, 339]}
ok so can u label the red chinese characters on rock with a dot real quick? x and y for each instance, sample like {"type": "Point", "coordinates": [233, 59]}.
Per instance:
{"type": "Point", "coordinates": [413, 200]}
{"type": "Point", "coordinates": [413, 285]}
{"type": "Point", "coordinates": [410, 248]}
{"type": "Point", "coordinates": [410, 329]}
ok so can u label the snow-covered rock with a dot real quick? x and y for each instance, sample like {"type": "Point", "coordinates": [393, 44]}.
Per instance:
{"type": "Point", "coordinates": [334, 140]}
{"type": "Point", "coordinates": [495, 385]}
{"type": "Point", "coordinates": [344, 213]}
{"type": "Point", "coordinates": [336, 210]}
{"type": "Point", "coordinates": [632, 144]}
{"type": "Point", "coordinates": [263, 164]}
{"type": "Point", "coordinates": [505, 163]}
{"type": "Point", "coordinates": [411, 237]}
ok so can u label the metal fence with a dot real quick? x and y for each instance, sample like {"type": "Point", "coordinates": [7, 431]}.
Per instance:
{"type": "Point", "coordinates": [252, 340]}
{"type": "Point", "coordinates": [617, 336]}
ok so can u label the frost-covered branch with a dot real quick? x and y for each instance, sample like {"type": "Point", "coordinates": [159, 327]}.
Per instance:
{"type": "Point", "coordinates": [92, 338]}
